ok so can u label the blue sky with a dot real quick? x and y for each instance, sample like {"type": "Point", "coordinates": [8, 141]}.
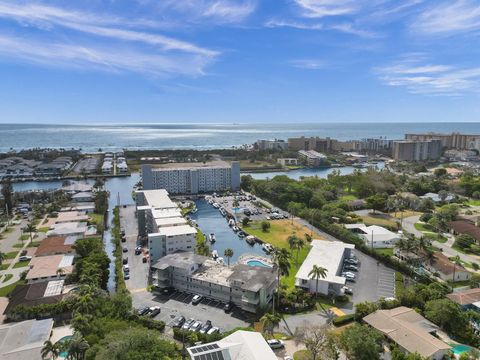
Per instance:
{"type": "Point", "coordinates": [239, 61]}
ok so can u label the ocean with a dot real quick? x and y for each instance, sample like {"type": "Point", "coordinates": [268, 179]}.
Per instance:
{"type": "Point", "coordinates": [200, 136]}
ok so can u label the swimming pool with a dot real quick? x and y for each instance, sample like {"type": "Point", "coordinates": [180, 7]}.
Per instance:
{"type": "Point", "coordinates": [64, 354]}
{"type": "Point", "coordinates": [258, 263]}
{"type": "Point", "coordinates": [459, 349]}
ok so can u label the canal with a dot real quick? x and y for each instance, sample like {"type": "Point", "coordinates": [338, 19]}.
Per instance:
{"type": "Point", "coordinates": [210, 220]}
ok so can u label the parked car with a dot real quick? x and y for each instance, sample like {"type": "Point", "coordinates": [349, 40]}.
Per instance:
{"type": "Point", "coordinates": [196, 299]}
{"type": "Point", "coordinates": [125, 249]}
{"type": "Point", "coordinates": [138, 250]}
{"type": "Point", "coordinates": [196, 326]}
{"type": "Point", "coordinates": [228, 307]}
{"type": "Point", "coordinates": [125, 261]}
{"type": "Point", "coordinates": [122, 231]}
{"type": "Point", "coordinates": [348, 274]}
{"type": "Point", "coordinates": [154, 311]}
{"type": "Point", "coordinates": [350, 267]}
{"type": "Point", "coordinates": [124, 239]}
{"type": "Point", "coordinates": [206, 327]}
{"type": "Point", "coordinates": [126, 268]}
{"type": "Point", "coordinates": [351, 261]}
{"type": "Point", "coordinates": [187, 324]}
{"type": "Point", "coordinates": [126, 276]}
{"type": "Point", "coordinates": [178, 321]}
{"type": "Point", "coordinates": [143, 310]}
{"type": "Point", "coordinates": [347, 290]}
{"type": "Point", "coordinates": [275, 344]}
{"type": "Point", "coordinates": [213, 330]}
{"type": "Point", "coordinates": [24, 258]}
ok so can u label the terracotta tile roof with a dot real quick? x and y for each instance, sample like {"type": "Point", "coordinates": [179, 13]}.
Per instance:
{"type": "Point", "coordinates": [442, 264]}
{"type": "Point", "coordinates": [54, 245]}
{"type": "Point", "coordinates": [466, 227]}
{"type": "Point", "coordinates": [465, 297]}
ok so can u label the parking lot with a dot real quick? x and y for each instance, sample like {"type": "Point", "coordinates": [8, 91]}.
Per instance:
{"type": "Point", "coordinates": [138, 270]}
{"type": "Point", "coordinates": [179, 303]}
{"type": "Point", "coordinates": [373, 280]}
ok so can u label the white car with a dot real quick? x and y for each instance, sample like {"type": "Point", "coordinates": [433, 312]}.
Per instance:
{"type": "Point", "coordinates": [275, 344]}
{"type": "Point", "coordinates": [24, 258]}
{"type": "Point", "coordinates": [348, 275]}
{"type": "Point", "coordinates": [213, 330]}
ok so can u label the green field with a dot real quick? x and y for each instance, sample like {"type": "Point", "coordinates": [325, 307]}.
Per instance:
{"type": "Point", "coordinates": [4, 291]}
{"type": "Point", "coordinates": [21, 264]}
{"type": "Point", "coordinates": [278, 234]}
{"type": "Point", "coordinates": [385, 251]}
{"type": "Point", "coordinates": [473, 202]}
{"type": "Point", "coordinates": [11, 255]}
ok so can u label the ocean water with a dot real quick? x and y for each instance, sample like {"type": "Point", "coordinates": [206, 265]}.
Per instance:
{"type": "Point", "coordinates": [199, 136]}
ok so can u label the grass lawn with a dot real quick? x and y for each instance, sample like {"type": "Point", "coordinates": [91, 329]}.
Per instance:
{"type": "Point", "coordinates": [7, 277]}
{"type": "Point", "coordinates": [373, 220]}
{"type": "Point", "coordinates": [429, 231]}
{"type": "Point", "coordinates": [302, 355]}
{"type": "Point", "coordinates": [24, 237]}
{"type": "Point", "coordinates": [11, 255]}
{"type": "Point", "coordinates": [349, 197]}
{"type": "Point", "coordinates": [96, 218]}
{"type": "Point", "coordinates": [473, 202]}
{"type": "Point", "coordinates": [4, 266]}
{"type": "Point", "coordinates": [385, 251]}
{"type": "Point", "coordinates": [43, 229]}
{"type": "Point", "coordinates": [4, 291]}
{"type": "Point", "coordinates": [21, 264]}
{"type": "Point", "coordinates": [458, 248]}
{"type": "Point", "coordinates": [278, 234]}
{"type": "Point", "coordinates": [424, 227]}
{"type": "Point", "coordinates": [18, 246]}
{"type": "Point", "coordinates": [257, 164]}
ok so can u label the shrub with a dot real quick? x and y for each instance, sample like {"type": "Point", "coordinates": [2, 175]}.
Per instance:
{"type": "Point", "coordinates": [343, 320]}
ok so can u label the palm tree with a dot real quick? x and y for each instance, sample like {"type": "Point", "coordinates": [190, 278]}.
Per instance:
{"type": "Point", "coordinates": [76, 347]}
{"type": "Point", "coordinates": [295, 243]}
{"type": "Point", "coordinates": [60, 272]}
{"type": "Point", "coordinates": [31, 229]}
{"type": "Point", "coordinates": [50, 350]}
{"type": "Point", "coordinates": [228, 254]}
{"type": "Point", "coordinates": [269, 321]}
{"type": "Point", "coordinates": [281, 259]}
{"type": "Point", "coordinates": [317, 273]}
{"type": "Point", "coordinates": [456, 261]}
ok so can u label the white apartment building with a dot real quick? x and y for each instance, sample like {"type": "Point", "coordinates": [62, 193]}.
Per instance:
{"type": "Point", "coordinates": [329, 255]}
{"type": "Point", "coordinates": [312, 157]}
{"type": "Point", "coordinates": [193, 178]}
{"type": "Point", "coordinates": [160, 220]}
{"type": "Point", "coordinates": [375, 236]}
{"type": "Point", "coordinates": [248, 287]}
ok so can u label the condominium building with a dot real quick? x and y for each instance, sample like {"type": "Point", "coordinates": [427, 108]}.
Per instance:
{"type": "Point", "coordinates": [329, 255]}
{"type": "Point", "coordinates": [312, 158]}
{"type": "Point", "coordinates": [311, 143]}
{"type": "Point", "coordinates": [193, 178]}
{"type": "Point", "coordinates": [160, 220]}
{"type": "Point", "coordinates": [248, 287]}
{"type": "Point", "coordinates": [417, 150]}
{"type": "Point", "coordinates": [275, 144]}
{"type": "Point", "coordinates": [451, 141]}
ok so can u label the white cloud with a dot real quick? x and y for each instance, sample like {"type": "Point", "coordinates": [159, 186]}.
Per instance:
{"type": "Point", "coordinates": [128, 50]}
{"type": "Point", "coordinates": [449, 17]}
{"type": "Point", "coordinates": [346, 28]}
{"type": "Point", "coordinates": [216, 11]}
{"type": "Point", "coordinates": [55, 54]}
{"type": "Point", "coordinates": [322, 8]}
{"type": "Point", "coordinates": [308, 64]}
{"type": "Point", "coordinates": [431, 79]}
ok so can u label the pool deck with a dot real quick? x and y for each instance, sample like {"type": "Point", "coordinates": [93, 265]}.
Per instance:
{"type": "Point", "coordinates": [245, 258]}
{"type": "Point", "coordinates": [60, 332]}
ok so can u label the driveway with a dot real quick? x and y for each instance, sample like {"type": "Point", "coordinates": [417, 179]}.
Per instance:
{"type": "Point", "coordinates": [138, 270]}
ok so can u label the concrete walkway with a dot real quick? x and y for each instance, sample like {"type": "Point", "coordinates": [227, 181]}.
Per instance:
{"type": "Point", "coordinates": [11, 238]}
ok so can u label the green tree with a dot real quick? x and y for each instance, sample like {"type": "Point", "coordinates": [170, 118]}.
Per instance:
{"type": "Point", "coordinates": [50, 350]}
{"type": "Point", "coordinates": [76, 347]}
{"type": "Point", "coordinates": [446, 314]}
{"type": "Point", "coordinates": [265, 226]}
{"type": "Point", "coordinates": [365, 308]}
{"type": "Point", "coordinates": [361, 342]}
{"type": "Point", "coordinates": [296, 244]}
{"type": "Point", "coordinates": [269, 321]}
{"type": "Point", "coordinates": [281, 259]}
{"type": "Point", "coordinates": [30, 228]}
{"type": "Point", "coordinates": [317, 273]}
{"type": "Point", "coordinates": [375, 202]}
{"type": "Point", "coordinates": [318, 341]}
{"type": "Point", "coordinates": [7, 193]}
{"type": "Point", "coordinates": [228, 254]}
{"type": "Point", "coordinates": [245, 221]}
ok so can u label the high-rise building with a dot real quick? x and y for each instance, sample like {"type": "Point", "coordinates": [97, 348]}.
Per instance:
{"type": "Point", "coordinates": [416, 150]}
{"type": "Point", "coordinates": [450, 141]}
{"type": "Point", "coordinates": [275, 144]}
{"type": "Point", "coordinates": [311, 143]}
{"type": "Point", "coordinates": [193, 178]}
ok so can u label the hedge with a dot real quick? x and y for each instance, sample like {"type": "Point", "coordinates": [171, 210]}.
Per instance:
{"type": "Point", "coordinates": [343, 320]}
{"type": "Point", "coordinates": [119, 279]}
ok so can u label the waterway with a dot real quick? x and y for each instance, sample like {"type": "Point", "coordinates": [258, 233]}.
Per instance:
{"type": "Point", "coordinates": [210, 220]}
{"type": "Point", "coordinates": [304, 172]}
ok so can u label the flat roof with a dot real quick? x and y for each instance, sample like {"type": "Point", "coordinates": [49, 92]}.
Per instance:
{"type": "Point", "coordinates": [166, 213]}
{"type": "Point", "coordinates": [176, 230]}
{"type": "Point", "coordinates": [191, 165]}
{"type": "Point", "coordinates": [327, 254]}
{"type": "Point", "coordinates": [24, 340]}
{"type": "Point", "coordinates": [379, 233]}
{"type": "Point", "coordinates": [47, 266]}
{"type": "Point", "coordinates": [170, 221]}
{"type": "Point", "coordinates": [158, 199]}
{"type": "Point", "coordinates": [182, 260]}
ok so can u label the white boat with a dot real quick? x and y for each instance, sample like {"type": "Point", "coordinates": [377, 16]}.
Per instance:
{"type": "Point", "coordinates": [223, 212]}
{"type": "Point", "coordinates": [220, 260]}
{"type": "Point", "coordinates": [212, 238]}
{"type": "Point", "coordinates": [216, 205]}
{"type": "Point", "coordinates": [235, 228]}
{"type": "Point", "coordinates": [194, 210]}
{"type": "Point", "coordinates": [231, 222]}
{"type": "Point", "coordinates": [214, 254]}
{"type": "Point", "coordinates": [250, 239]}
